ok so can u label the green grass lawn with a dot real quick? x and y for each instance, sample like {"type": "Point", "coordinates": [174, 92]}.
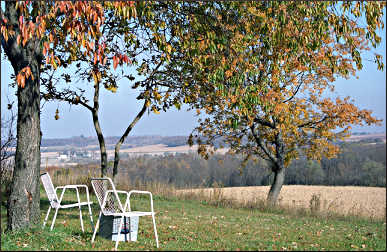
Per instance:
{"type": "Point", "coordinates": [191, 225]}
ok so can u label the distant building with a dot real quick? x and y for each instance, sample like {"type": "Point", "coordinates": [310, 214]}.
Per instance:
{"type": "Point", "coordinates": [63, 157]}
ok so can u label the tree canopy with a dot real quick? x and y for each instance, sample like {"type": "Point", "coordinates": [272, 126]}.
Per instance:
{"type": "Point", "coordinates": [262, 72]}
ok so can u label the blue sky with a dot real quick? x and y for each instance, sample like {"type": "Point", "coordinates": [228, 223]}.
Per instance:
{"type": "Point", "coordinates": [118, 109]}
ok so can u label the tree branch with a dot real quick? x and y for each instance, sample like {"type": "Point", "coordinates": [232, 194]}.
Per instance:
{"type": "Point", "coordinates": [126, 133]}
{"type": "Point", "coordinates": [258, 140]}
{"type": "Point", "coordinates": [264, 123]}
{"type": "Point", "coordinates": [312, 123]}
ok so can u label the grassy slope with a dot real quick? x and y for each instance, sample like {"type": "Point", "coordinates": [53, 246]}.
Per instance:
{"type": "Point", "coordinates": [191, 225]}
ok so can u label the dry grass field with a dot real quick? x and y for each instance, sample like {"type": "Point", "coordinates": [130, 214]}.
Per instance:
{"type": "Point", "coordinates": [161, 148]}
{"type": "Point", "coordinates": [342, 200]}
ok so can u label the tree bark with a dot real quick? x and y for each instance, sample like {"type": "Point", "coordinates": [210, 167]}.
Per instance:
{"type": "Point", "coordinates": [276, 186]}
{"type": "Point", "coordinates": [122, 139]}
{"type": "Point", "coordinates": [102, 146]}
{"type": "Point", "coordinates": [98, 130]}
{"type": "Point", "coordinates": [279, 170]}
{"type": "Point", "coordinates": [23, 208]}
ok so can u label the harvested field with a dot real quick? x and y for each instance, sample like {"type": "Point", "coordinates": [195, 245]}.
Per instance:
{"type": "Point", "coordinates": [343, 200]}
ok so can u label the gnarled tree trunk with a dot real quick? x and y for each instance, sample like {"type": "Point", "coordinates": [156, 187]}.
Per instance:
{"type": "Point", "coordinates": [278, 167]}
{"type": "Point", "coordinates": [276, 186]}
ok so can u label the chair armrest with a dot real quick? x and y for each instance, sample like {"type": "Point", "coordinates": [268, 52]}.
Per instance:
{"type": "Point", "coordinates": [73, 187]}
{"type": "Point", "coordinates": [141, 192]}
{"type": "Point", "coordinates": [69, 186]}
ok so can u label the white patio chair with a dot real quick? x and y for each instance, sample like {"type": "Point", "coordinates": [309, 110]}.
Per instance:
{"type": "Point", "coordinates": [110, 204]}
{"type": "Point", "coordinates": [56, 204]}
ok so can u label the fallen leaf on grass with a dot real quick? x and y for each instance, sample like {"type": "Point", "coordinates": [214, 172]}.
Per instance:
{"type": "Point", "coordinates": [354, 246]}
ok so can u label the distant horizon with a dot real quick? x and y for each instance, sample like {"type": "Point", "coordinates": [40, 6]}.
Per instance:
{"type": "Point", "coordinates": [158, 135]}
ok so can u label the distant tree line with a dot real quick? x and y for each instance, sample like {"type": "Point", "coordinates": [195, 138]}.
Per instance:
{"type": "Point", "coordinates": [360, 164]}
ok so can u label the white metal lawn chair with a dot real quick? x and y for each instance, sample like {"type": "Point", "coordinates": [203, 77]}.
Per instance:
{"type": "Point", "coordinates": [110, 204]}
{"type": "Point", "coordinates": [56, 204]}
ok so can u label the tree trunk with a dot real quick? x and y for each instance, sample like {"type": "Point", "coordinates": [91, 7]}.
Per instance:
{"type": "Point", "coordinates": [102, 146]}
{"type": "Point", "coordinates": [23, 209]}
{"type": "Point", "coordinates": [98, 130]}
{"type": "Point", "coordinates": [122, 139]}
{"type": "Point", "coordinates": [275, 189]}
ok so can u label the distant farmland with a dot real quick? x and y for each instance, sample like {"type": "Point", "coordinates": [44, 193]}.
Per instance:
{"type": "Point", "coordinates": [343, 200]}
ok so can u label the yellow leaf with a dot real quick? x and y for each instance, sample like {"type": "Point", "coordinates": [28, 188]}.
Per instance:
{"type": "Point", "coordinates": [169, 48]}
{"type": "Point", "coordinates": [112, 88]}
{"type": "Point", "coordinates": [155, 110]}
{"type": "Point", "coordinates": [95, 78]}
{"type": "Point", "coordinates": [56, 114]}
{"type": "Point", "coordinates": [54, 63]}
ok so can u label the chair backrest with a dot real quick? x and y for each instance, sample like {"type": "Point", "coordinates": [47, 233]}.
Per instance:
{"type": "Point", "coordinates": [112, 202]}
{"type": "Point", "coordinates": [50, 190]}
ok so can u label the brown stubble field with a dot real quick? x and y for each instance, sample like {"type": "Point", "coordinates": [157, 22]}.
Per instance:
{"type": "Point", "coordinates": [367, 202]}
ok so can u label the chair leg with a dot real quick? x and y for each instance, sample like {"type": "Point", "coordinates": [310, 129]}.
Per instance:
{"type": "Point", "coordinates": [119, 232]}
{"type": "Point", "coordinates": [90, 213]}
{"type": "Point", "coordinates": [91, 218]}
{"type": "Point", "coordinates": [80, 210]}
{"type": "Point", "coordinates": [45, 219]}
{"type": "Point", "coordinates": [154, 226]}
{"type": "Point", "coordinates": [53, 220]}
{"type": "Point", "coordinates": [57, 208]}
{"type": "Point", "coordinates": [96, 227]}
